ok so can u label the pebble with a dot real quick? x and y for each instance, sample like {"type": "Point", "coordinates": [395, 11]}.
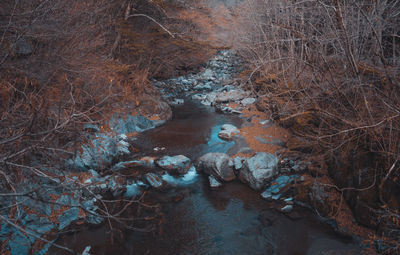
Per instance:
{"type": "Point", "coordinates": [287, 209]}
{"type": "Point", "coordinates": [213, 182]}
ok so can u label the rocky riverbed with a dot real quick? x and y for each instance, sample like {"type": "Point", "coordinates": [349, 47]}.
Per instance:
{"type": "Point", "coordinates": [200, 167]}
{"type": "Point", "coordinates": [218, 163]}
{"type": "Point", "coordinates": [216, 174]}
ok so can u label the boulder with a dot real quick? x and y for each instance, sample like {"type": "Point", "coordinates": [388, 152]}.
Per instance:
{"type": "Point", "coordinates": [129, 123]}
{"type": "Point", "coordinates": [152, 104]}
{"type": "Point", "coordinates": [218, 165]}
{"type": "Point", "coordinates": [238, 163]}
{"type": "Point", "coordinates": [228, 131]}
{"type": "Point", "coordinates": [99, 152]}
{"type": "Point", "coordinates": [258, 170]}
{"type": "Point", "coordinates": [174, 165]}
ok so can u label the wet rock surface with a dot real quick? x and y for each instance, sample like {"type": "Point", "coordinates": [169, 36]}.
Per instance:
{"type": "Point", "coordinates": [213, 182]}
{"type": "Point", "coordinates": [274, 189]}
{"type": "Point", "coordinates": [175, 165]}
{"type": "Point", "coordinates": [219, 165]}
{"type": "Point", "coordinates": [258, 170]}
{"type": "Point", "coordinates": [228, 131]}
{"type": "Point", "coordinates": [287, 209]}
{"type": "Point", "coordinates": [103, 147]}
{"type": "Point", "coordinates": [154, 180]}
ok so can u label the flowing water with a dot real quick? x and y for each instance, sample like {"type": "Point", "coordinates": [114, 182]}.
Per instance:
{"type": "Point", "coordinates": [232, 219]}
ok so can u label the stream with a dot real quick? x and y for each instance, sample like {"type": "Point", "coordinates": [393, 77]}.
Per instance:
{"type": "Point", "coordinates": [232, 219]}
{"type": "Point", "coordinates": [135, 180]}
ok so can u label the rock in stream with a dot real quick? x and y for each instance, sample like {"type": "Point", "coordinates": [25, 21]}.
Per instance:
{"type": "Point", "coordinates": [219, 165]}
{"type": "Point", "coordinates": [258, 170]}
{"type": "Point", "coordinates": [178, 164]}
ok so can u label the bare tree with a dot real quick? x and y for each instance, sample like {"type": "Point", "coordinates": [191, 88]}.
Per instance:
{"type": "Point", "coordinates": [56, 76]}
{"type": "Point", "coordinates": [331, 69]}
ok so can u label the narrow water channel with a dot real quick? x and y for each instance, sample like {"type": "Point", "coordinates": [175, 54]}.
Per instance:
{"type": "Point", "coordinates": [232, 219]}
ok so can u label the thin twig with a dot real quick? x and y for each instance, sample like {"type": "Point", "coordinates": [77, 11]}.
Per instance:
{"type": "Point", "coordinates": [150, 18]}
